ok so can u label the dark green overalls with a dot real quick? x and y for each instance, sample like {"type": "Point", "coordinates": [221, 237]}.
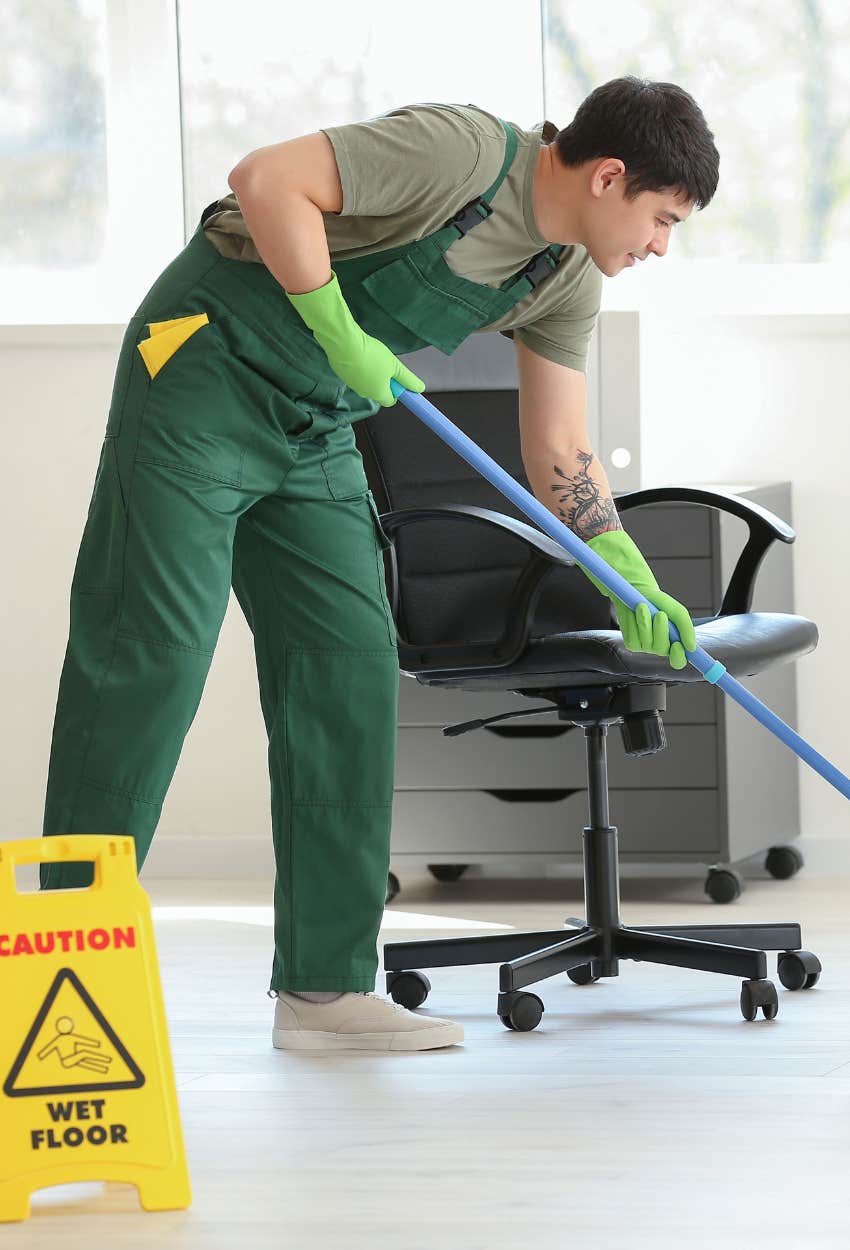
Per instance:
{"type": "Point", "coordinates": [229, 459]}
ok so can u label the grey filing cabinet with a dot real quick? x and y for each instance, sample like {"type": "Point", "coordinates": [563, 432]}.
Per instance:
{"type": "Point", "coordinates": [723, 791]}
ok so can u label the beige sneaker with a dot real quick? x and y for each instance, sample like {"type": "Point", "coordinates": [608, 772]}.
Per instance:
{"type": "Point", "coordinates": [357, 1022]}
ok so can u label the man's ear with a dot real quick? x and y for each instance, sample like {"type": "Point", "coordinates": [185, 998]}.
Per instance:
{"type": "Point", "coordinates": [603, 173]}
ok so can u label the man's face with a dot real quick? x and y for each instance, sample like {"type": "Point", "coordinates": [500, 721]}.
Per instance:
{"type": "Point", "coordinates": [621, 232]}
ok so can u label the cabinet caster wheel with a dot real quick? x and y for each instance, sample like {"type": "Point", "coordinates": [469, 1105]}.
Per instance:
{"type": "Point", "coordinates": [723, 885]}
{"type": "Point", "coordinates": [798, 970]}
{"type": "Point", "coordinates": [393, 887]}
{"type": "Point", "coordinates": [583, 975]}
{"type": "Point", "coordinates": [521, 1012]}
{"type": "Point", "coordinates": [447, 872]}
{"type": "Point", "coordinates": [408, 988]}
{"type": "Point", "coordinates": [755, 994]}
{"type": "Point", "coordinates": [783, 862]}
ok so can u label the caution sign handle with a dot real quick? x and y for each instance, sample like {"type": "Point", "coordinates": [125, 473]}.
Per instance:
{"type": "Point", "coordinates": [112, 864]}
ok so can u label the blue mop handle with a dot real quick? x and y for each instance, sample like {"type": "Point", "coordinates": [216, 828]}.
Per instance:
{"type": "Point", "coordinates": [712, 670]}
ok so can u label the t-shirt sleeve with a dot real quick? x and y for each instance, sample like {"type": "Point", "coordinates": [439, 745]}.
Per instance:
{"type": "Point", "coordinates": [405, 160]}
{"type": "Point", "coordinates": [563, 333]}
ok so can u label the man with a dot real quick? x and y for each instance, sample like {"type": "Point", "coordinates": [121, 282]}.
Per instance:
{"type": "Point", "coordinates": [229, 459]}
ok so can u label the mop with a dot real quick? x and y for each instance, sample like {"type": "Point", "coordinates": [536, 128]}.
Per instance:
{"type": "Point", "coordinates": [712, 670]}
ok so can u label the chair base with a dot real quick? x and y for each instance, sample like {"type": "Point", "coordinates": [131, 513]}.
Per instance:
{"type": "Point", "coordinates": [597, 945]}
{"type": "Point", "coordinates": [589, 954]}
{"type": "Point", "coordinates": [737, 950]}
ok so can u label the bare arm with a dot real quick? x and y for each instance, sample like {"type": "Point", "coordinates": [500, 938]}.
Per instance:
{"type": "Point", "coordinates": [559, 462]}
{"type": "Point", "coordinates": [282, 191]}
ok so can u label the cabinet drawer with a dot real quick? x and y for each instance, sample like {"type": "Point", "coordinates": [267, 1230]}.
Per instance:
{"type": "Point", "coordinates": [662, 530]}
{"type": "Point", "coordinates": [545, 756]}
{"type": "Point", "coordinates": [689, 581]}
{"type": "Point", "coordinates": [453, 826]}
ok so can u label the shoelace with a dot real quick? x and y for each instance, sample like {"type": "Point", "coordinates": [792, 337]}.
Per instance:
{"type": "Point", "coordinates": [386, 1002]}
{"type": "Point", "coordinates": [360, 994]}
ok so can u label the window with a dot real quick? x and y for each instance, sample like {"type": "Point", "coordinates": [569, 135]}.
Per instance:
{"type": "Point", "coordinates": [53, 135]}
{"type": "Point", "coordinates": [113, 144]}
{"type": "Point", "coordinates": [261, 73]}
{"type": "Point", "coordinates": [89, 135]}
{"type": "Point", "coordinates": [774, 85]}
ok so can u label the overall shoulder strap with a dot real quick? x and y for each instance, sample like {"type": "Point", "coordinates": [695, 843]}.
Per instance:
{"type": "Point", "coordinates": [479, 209]}
{"type": "Point", "coordinates": [510, 153]}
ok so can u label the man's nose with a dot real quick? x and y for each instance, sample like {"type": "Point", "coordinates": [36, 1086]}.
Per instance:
{"type": "Point", "coordinates": [658, 244]}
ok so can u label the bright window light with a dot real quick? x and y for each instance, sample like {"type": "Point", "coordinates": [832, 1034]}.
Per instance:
{"type": "Point", "coordinates": [776, 236]}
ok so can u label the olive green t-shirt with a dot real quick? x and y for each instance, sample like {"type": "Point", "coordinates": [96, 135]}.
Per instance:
{"type": "Point", "coordinates": [406, 172]}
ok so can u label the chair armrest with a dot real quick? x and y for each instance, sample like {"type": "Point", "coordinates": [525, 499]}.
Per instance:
{"type": "Point", "coordinates": [544, 555]}
{"type": "Point", "coordinates": [764, 527]}
{"type": "Point", "coordinates": [547, 547]}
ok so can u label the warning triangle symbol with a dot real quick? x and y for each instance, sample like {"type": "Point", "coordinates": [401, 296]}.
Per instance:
{"type": "Point", "coordinates": [70, 1037]}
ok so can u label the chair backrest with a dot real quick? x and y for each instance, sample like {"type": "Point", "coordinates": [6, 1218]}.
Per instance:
{"type": "Point", "coordinates": [455, 577]}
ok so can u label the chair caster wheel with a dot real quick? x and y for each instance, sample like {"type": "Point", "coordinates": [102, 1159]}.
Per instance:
{"type": "Point", "coordinates": [447, 872]}
{"type": "Point", "coordinates": [583, 975]}
{"type": "Point", "coordinates": [723, 885]}
{"type": "Point", "coordinates": [755, 994]}
{"type": "Point", "coordinates": [408, 988]}
{"type": "Point", "coordinates": [783, 862]}
{"type": "Point", "coordinates": [521, 1012]}
{"type": "Point", "coordinates": [798, 970]}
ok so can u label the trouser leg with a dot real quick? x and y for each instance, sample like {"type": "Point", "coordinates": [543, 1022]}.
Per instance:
{"type": "Point", "coordinates": [227, 438]}
{"type": "Point", "coordinates": [308, 574]}
{"type": "Point", "coordinates": [147, 603]}
{"type": "Point", "coordinates": [148, 595]}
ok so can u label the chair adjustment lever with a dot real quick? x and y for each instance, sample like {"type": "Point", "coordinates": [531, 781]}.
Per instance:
{"type": "Point", "coordinates": [452, 731]}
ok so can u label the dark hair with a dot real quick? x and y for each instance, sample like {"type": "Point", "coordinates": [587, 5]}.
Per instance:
{"type": "Point", "coordinates": [655, 128]}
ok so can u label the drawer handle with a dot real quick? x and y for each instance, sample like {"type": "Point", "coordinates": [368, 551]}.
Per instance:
{"type": "Point", "coordinates": [531, 796]}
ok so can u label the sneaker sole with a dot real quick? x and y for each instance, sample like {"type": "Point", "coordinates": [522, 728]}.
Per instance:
{"type": "Point", "coordinates": [415, 1039]}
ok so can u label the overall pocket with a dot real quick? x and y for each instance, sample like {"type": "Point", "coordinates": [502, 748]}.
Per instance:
{"type": "Point", "coordinates": [384, 538]}
{"type": "Point", "coordinates": [199, 401]}
{"type": "Point", "coordinates": [384, 544]}
{"type": "Point", "coordinates": [420, 292]}
{"type": "Point", "coordinates": [166, 337]}
{"type": "Point", "coordinates": [343, 465]}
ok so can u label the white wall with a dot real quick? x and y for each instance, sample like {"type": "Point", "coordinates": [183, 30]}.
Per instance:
{"type": "Point", "coordinates": [722, 398]}
{"type": "Point", "coordinates": [56, 383]}
{"type": "Point", "coordinates": [736, 397]}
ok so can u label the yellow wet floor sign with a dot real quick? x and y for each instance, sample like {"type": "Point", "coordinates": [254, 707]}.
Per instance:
{"type": "Point", "coordinates": [88, 1088]}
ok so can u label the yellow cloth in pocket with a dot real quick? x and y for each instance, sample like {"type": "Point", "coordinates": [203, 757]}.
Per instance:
{"type": "Point", "coordinates": [166, 337]}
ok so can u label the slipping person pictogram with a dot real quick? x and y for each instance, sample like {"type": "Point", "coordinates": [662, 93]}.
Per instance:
{"type": "Point", "coordinates": [71, 1047]}
{"type": "Point", "coordinates": [77, 1055]}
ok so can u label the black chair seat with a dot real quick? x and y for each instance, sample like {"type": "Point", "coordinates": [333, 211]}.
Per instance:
{"type": "Point", "coordinates": [745, 644]}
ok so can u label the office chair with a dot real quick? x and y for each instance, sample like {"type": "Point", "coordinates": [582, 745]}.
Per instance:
{"type": "Point", "coordinates": [460, 573]}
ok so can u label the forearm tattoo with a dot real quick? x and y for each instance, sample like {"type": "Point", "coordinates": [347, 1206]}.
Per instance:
{"type": "Point", "coordinates": [589, 510]}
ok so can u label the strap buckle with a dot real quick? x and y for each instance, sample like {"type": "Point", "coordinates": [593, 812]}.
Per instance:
{"type": "Point", "coordinates": [539, 267]}
{"type": "Point", "coordinates": [470, 216]}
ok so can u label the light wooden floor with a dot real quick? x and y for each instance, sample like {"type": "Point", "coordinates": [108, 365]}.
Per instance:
{"type": "Point", "coordinates": [644, 1112]}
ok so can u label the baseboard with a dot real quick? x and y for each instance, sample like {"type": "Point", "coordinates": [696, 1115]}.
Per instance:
{"type": "Point", "coordinates": [211, 856]}
{"type": "Point", "coordinates": [250, 856]}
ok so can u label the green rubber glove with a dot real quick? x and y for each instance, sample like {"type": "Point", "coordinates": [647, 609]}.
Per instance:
{"type": "Point", "coordinates": [640, 630]}
{"type": "Point", "coordinates": [364, 363]}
